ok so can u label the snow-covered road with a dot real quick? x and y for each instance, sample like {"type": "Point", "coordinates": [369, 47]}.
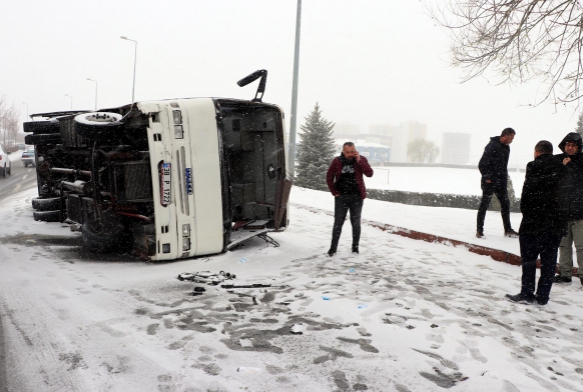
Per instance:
{"type": "Point", "coordinates": [404, 315]}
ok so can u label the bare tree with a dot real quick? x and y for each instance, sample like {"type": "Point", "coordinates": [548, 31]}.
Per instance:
{"type": "Point", "coordinates": [9, 121]}
{"type": "Point", "coordinates": [579, 128]}
{"type": "Point", "coordinates": [519, 40]}
{"type": "Point", "coordinates": [422, 150]}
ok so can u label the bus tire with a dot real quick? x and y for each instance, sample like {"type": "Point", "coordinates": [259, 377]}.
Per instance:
{"type": "Point", "coordinates": [47, 216]}
{"type": "Point", "coordinates": [51, 126]}
{"type": "Point", "coordinates": [46, 204]}
{"type": "Point", "coordinates": [43, 139]}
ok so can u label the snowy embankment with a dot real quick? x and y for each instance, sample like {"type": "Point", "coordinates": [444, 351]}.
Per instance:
{"type": "Point", "coordinates": [404, 315]}
{"type": "Point", "coordinates": [434, 180]}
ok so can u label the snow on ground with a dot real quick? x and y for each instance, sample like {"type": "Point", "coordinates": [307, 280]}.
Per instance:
{"type": "Point", "coordinates": [454, 223]}
{"type": "Point", "coordinates": [434, 180]}
{"type": "Point", "coordinates": [404, 315]}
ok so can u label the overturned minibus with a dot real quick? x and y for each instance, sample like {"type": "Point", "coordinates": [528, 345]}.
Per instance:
{"type": "Point", "coordinates": [165, 179]}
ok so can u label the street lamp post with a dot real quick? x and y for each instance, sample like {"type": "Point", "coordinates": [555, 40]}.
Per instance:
{"type": "Point", "coordinates": [95, 92]}
{"type": "Point", "coordinates": [67, 95]}
{"type": "Point", "coordinates": [135, 61]}
{"type": "Point", "coordinates": [294, 104]}
{"type": "Point", "coordinates": [24, 103]}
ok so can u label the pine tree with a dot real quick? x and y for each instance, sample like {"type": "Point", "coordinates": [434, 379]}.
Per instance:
{"type": "Point", "coordinates": [316, 151]}
{"type": "Point", "coordinates": [579, 128]}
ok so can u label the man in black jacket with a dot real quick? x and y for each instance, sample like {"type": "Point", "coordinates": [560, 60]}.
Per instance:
{"type": "Point", "coordinates": [543, 225]}
{"type": "Point", "coordinates": [572, 203]}
{"type": "Point", "coordinates": [494, 168]}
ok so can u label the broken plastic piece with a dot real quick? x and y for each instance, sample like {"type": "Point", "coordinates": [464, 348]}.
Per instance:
{"type": "Point", "coordinates": [244, 286]}
{"type": "Point", "coordinates": [297, 329]}
{"type": "Point", "coordinates": [247, 369]}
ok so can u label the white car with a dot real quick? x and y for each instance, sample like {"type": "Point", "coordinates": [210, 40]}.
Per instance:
{"type": "Point", "coordinates": [28, 157]}
{"type": "Point", "coordinates": [5, 165]}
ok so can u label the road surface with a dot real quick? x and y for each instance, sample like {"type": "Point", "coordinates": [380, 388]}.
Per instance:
{"type": "Point", "coordinates": [21, 178]}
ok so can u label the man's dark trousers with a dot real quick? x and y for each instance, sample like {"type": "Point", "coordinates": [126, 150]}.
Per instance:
{"type": "Point", "coordinates": [531, 246]}
{"type": "Point", "coordinates": [499, 188]}
{"type": "Point", "coordinates": [343, 204]}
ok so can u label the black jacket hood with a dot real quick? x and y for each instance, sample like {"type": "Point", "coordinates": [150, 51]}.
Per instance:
{"type": "Point", "coordinates": [572, 137]}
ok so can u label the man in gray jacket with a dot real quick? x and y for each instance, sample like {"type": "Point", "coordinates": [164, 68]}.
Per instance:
{"type": "Point", "coordinates": [572, 207]}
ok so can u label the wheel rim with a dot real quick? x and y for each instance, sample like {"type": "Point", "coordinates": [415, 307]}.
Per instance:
{"type": "Point", "coordinates": [101, 118]}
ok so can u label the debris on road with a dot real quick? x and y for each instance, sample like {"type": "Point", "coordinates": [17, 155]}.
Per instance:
{"type": "Point", "coordinates": [297, 329]}
{"type": "Point", "coordinates": [206, 277]}
{"type": "Point", "coordinates": [244, 286]}
{"type": "Point", "coordinates": [247, 369]}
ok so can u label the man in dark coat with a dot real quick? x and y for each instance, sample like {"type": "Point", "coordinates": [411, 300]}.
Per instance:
{"type": "Point", "coordinates": [345, 181]}
{"type": "Point", "coordinates": [494, 169]}
{"type": "Point", "coordinates": [572, 203]}
{"type": "Point", "coordinates": [543, 225]}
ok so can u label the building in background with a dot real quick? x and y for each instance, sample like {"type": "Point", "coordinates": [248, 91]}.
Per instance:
{"type": "Point", "coordinates": [346, 131]}
{"type": "Point", "coordinates": [379, 133]}
{"type": "Point", "coordinates": [456, 148]}
{"type": "Point", "coordinates": [376, 154]}
{"type": "Point", "coordinates": [383, 141]}
{"type": "Point", "coordinates": [401, 136]}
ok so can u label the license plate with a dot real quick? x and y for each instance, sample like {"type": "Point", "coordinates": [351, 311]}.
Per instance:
{"type": "Point", "coordinates": [165, 182]}
{"type": "Point", "coordinates": [188, 177]}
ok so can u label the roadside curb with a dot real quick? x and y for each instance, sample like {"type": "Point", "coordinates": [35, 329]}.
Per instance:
{"type": "Point", "coordinates": [496, 254]}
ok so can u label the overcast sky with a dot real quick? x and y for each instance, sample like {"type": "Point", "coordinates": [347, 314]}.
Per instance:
{"type": "Point", "coordinates": [365, 62]}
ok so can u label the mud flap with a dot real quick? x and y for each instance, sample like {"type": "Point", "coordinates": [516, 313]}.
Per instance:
{"type": "Point", "coordinates": [283, 191]}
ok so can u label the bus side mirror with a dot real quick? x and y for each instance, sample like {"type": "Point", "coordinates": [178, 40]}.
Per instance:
{"type": "Point", "coordinates": [262, 73]}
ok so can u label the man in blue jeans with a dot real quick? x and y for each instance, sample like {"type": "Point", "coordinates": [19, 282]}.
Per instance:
{"type": "Point", "coordinates": [543, 224]}
{"type": "Point", "coordinates": [344, 178]}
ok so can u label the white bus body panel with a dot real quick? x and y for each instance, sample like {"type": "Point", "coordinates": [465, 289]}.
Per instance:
{"type": "Point", "coordinates": [198, 151]}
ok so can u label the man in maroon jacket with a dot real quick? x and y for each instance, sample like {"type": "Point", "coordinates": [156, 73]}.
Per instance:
{"type": "Point", "coordinates": [345, 181]}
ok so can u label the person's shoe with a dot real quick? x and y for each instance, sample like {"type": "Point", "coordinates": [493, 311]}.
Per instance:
{"type": "Point", "coordinates": [480, 233]}
{"type": "Point", "coordinates": [541, 302]}
{"type": "Point", "coordinates": [355, 249]}
{"type": "Point", "coordinates": [581, 281]}
{"type": "Point", "coordinates": [520, 299]}
{"type": "Point", "coordinates": [562, 279]}
{"type": "Point", "coordinates": [511, 234]}
{"type": "Point", "coordinates": [331, 252]}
